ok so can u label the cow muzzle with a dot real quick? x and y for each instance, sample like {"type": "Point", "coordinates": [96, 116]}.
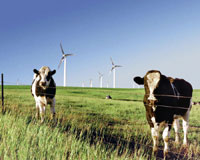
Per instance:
{"type": "Point", "coordinates": [43, 84]}
{"type": "Point", "coordinates": [152, 97]}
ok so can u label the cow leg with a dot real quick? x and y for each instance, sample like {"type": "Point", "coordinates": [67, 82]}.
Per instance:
{"type": "Point", "coordinates": [155, 137]}
{"type": "Point", "coordinates": [42, 112]}
{"type": "Point", "coordinates": [52, 107]}
{"type": "Point", "coordinates": [37, 110]}
{"type": "Point", "coordinates": [165, 135]}
{"type": "Point", "coordinates": [185, 126]}
{"type": "Point", "coordinates": [176, 129]}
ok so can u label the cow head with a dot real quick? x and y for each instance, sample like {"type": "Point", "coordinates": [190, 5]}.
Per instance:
{"type": "Point", "coordinates": [44, 76]}
{"type": "Point", "coordinates": [150, 81]}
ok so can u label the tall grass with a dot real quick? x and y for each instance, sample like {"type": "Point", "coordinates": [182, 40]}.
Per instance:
{"type": "Point", "coordinates": [88, 126]}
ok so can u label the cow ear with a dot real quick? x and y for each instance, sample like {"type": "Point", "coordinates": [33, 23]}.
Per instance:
{"type": "Point", "coordinates": [36, 71]}
{"type": "Point", "coordinates": [139, 80]}
{"type": "Point", "coordinates": [53, 72]}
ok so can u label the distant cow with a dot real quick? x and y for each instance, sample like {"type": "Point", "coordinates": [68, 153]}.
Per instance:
{"type": "Point", "coordinates": [166, 100]}
{"type": "Point", "coordinates": [44, 89]}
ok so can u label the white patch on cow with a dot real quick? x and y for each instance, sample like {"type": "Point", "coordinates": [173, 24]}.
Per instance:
{"type": "Point", "coordinates": [165, 136]}
{"type": "Point", "coordinates": [154, 108]}
{"type": "Point", "coordinates": [152, 81]}
{"type": "Point", "coordinates": [153, 120]}
{"type": "Point", "coordinates": [44, 71]}
{"type": "Point", "coordinates": [186, 125]}
{"type": "Point", "coordinates": [36, 79]}
{"type": "Point", "coordinates": [176, 126]}
{"type": "Point", "coordinates": [155, 134]}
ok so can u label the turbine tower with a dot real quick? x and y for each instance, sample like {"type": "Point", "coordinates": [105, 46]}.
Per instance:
{"type": "Point", "coordinates": [91, 83]}
{"type": "Point", "coordinates": [113, 70]}
{"type": "Point", "coordinates": [101, 79]}
{"type": "Point", "coordinates": [83, 84]}
{"type": "Point", "coordinates": [64, 58]}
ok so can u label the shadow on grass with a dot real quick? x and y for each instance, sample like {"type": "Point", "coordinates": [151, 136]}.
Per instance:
{"type": "Point", "coordinates": [111, 140]}
{"type": "Point", "coordinates": [130, 146]}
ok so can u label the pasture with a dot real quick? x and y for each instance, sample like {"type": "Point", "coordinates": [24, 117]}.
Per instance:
{"type": "Point", "coordinates": [88, 126]}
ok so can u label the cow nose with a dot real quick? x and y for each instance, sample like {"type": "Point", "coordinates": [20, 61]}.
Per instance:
{"type": "Point", "coordinates": [43, 83]}
{"type": "Point", "coordinates": [151, 102]}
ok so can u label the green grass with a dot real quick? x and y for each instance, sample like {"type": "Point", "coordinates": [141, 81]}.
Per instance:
{"type": "Point", "coordinates": [88, 126]}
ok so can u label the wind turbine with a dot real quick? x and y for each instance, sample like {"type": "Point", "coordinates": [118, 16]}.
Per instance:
{"type": "Point", "coordinates": [17, 81]}
{"type": "Point", "coordinates": [83, 84]}
{"type": "Point", "coordinates": [113, 70]}
{"type": "Point", "coordinates": [91, 83]}
{"type": "Point", "coordinates": [101, 79]}
{"type": "Point", "coordinates": [64, 58]}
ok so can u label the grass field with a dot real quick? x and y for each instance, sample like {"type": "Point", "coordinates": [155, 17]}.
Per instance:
{"type": "Point", "coordinates": [88, 126]}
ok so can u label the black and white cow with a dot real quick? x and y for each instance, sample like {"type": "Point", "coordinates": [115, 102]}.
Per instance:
{"type": "Point", "coordinates": [166, 100]}
{"type": "Point", "coordinates": [43, 90]}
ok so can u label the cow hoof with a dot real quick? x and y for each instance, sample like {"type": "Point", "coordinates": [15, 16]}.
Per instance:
{"type": "Point", "coordinates": [42, 121]}
{"type": "Point", "coordinates": [37, 116]}
{"type": "Point", "coordinates": [184, 149]}
{"type": "Point", "coordinates": [155, 151]}
{"type": "Point", "coordinates": [185, 145]}
{"type": "Point", "coordinates": [53, 116]}
{"type": "Point", "coordinates": [166, 155]}
{"type": "Point", "coordinates": [177, 143]}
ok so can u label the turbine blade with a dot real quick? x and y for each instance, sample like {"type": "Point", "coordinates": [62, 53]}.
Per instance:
{"type": "Point", "coordinates": [60, 62]}
{"type": "Point", "coordinates": [69, 54]}
{"type": "Point", "coordinates": [62, 49]}
{"type": "Point", "coordinates": [112, 61]}
{"type": "Point", "coordinates": [118, 66]}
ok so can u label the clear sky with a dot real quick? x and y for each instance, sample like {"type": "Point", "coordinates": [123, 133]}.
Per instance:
{"type": "Point", "coordinates": [140, 35]}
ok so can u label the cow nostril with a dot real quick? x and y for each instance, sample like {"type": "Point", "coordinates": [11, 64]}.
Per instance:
{"type": "Point", "coordinates": [43, 83]}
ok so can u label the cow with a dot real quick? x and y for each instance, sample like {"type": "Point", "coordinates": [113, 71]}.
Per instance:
{"type": "Point", "coordinates": [166, 101]}
{"type": "Point", "coordinates": [43, 90]}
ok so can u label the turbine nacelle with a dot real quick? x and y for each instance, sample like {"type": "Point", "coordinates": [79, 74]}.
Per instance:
{"type": "Point", "coordinates": [113, 65]}
{"type": "Point", "coordinates": [100, 75]}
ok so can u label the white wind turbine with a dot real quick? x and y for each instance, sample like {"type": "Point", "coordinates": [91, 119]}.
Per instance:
{"type": "Point", "coordinates": [91, 85]}
{"type": "Point", "coordinates": [101, 79]}
{"type": "Point", "coordinates": [64, 58]}
{"type": "Point", "coordinates": [83, 84]}
{"type": "Point", "coordinates": [113, 70]}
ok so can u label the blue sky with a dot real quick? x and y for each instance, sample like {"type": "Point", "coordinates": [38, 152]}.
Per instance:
{"type": "Point", "coordinates": [140, 35]}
